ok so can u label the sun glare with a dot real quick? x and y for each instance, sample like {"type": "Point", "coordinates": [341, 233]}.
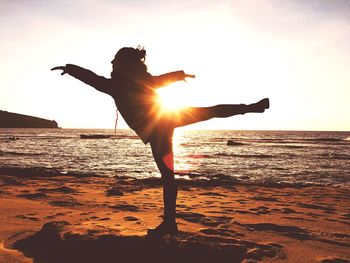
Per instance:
{"type": "Point", "coordinates": [170, 99]}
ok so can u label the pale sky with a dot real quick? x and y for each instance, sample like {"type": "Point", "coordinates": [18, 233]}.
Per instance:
{"type": "Point", "coordinates": [295, 52]}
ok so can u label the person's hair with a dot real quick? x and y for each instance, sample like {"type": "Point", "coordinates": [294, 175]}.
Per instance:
{"type": "Point", "coordinates": [130, 61]}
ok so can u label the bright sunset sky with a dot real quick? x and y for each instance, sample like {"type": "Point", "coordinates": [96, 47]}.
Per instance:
{"type": "Point", "coordinates": [295, 52]}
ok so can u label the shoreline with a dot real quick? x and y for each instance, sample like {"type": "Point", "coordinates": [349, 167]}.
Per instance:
{"type": "Point", "coordinates": [183, 178]}
{"type": "Point", "coordinates": [232, 223]}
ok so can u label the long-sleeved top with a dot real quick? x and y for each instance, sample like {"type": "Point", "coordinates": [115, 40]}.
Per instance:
{"type": "Point", "coordinates": [135, 98]}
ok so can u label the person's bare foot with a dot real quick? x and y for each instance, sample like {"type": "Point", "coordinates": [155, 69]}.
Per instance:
{"type": "Point", "coordinates": [260, 106]}
{"type": "Point", "coordinates": [163, 229]}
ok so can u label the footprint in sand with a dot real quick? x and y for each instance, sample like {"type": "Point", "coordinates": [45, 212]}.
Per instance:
{"type": "Point", "coordinates": [131, 218]}
{"type": "Point", "coordinates": [290, 231]}
{"type": "Point", "coordinates": [114, 191]}
{"type": "Point", "coordinates": [264, 198]}
{"type": "Point", "coordinates": [126, 207]}
{"type": "Point", "coordinates": [26, 217]}
{"type": "Point", "coordinates": [325, 209]}
{"type": "Point", "coordinates": [260, 210]}
{"type": "Point", "coordinates": [104, 219]}
{"type": "Point", "coordinates": [59, 190]}
{"type": "Point", "coordinates": [299, 218]}
{"type": "Point", "coordinates": [35, 196]}
{"type": "Point", "coordinates": [64, 203]}
{"type": "Point", "coordinates": [202, 219]}
{"type": "Point", "coordinates": [214, 194]}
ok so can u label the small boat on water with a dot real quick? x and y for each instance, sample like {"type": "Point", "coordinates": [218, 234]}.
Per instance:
{"type": "Point", "coordinates": [94, 136]}
{"type": "Point", "coordinates": [233, 143]}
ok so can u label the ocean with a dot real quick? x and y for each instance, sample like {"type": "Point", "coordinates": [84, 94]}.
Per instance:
{"type": "Point", "coordinates": [257, 157]}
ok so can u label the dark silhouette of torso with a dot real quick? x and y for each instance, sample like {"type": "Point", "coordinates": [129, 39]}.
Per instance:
{"type": "Point", "coordinates": [134, 95]}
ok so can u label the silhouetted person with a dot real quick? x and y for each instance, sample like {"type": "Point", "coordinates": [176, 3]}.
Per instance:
{"type": "Point", "coordinates": [134, 92]}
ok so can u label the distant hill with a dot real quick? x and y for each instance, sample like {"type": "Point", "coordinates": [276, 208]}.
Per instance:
{"type": "Point", "coordinates": [14, 120]}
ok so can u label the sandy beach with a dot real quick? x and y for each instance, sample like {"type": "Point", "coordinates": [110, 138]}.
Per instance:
{"type": "Point", "coordinates": [101, 219]}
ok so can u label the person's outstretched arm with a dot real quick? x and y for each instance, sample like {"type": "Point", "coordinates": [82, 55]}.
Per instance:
{"type": "Point", "coordinates": [165, 79]}
{"type": "Point", "coordinates": [86, 76]}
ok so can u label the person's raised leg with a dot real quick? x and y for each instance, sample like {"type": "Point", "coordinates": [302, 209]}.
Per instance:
{"type": "Point", "coordinates": [228, 110]}
{"type": "Point", "coordinates": [162, 151]}
{"type": "Point", "coordinates": [192, 115]}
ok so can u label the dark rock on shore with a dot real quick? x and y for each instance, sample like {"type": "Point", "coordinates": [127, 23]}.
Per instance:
{"type": "Point", "coordinates": [14, 120]}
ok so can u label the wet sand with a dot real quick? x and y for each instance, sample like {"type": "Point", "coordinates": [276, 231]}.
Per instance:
{"type": "Point", "coordinates": [95, 219]}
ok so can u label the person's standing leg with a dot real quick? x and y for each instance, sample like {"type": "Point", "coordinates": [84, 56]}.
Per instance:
{"type": "Point", "coordinates": [162, 151]}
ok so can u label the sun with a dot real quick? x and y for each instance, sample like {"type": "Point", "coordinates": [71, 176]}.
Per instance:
{"type": "Point", "coordinates": [170, 99]}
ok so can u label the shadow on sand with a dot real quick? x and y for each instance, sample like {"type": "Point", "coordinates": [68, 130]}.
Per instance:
{"type": "Point", "coordinates": [53, 243]}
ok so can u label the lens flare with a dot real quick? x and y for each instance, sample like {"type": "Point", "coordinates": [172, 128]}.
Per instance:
{"type": "Point", "coordinates": [169, 98]}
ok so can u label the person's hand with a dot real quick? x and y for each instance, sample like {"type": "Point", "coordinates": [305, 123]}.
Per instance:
{"type": "Point", "coordinates": [63, 68]}
{"type": "Point", "coordinates": [184, 75]}
{"type": "Point", "coordinates": [190, 76]}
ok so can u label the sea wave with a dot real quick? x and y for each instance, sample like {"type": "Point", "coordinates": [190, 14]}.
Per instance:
{"type": "Point", "coordinates": [183, 179]}
{"type": "Point", "coordinates": [324, 139]}
{"type": "Point", "coordinates": [290, 140]}
{"type": "Point", "coordinates": [334, 156]}
{"type": "Point", "coordinates": [199, 156]}
{"type": "Point", "coordinates": [12, 153]}
{"type": "Point", "coordinates": [41, 172]}
{"type": "Point", "coordinates": [263, 156]}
